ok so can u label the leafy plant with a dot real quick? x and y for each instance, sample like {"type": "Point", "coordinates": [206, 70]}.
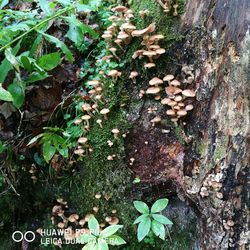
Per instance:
{"type": "Point", "coordinates": [52, 142]}
{"type": "Point", "coordinates": [97, 240]}
{"type": "Point", "coordinates": [151, 219]}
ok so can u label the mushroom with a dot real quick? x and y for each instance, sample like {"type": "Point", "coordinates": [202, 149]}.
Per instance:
{"type": "Point", "coordinates": [126, 38]}
{"type": "Point", "coordinates": [110, 158]}
{"type": "Point", "coordinates": [153, 90]}
{"type": "Point", "coordinates": [189, 107]}
{"type": "Point", "coordinates": [147, 30]}
{"type": "Point", "coordinates": [188, 93]}
{"type": "Point", "coordinates": [78, 121]}
{"type": "Point", "coordinates": [104, 112]}
{"type": "Point", "coordinates": [175, 83]}
{"type": "Point", "coordinates": [181, 112]}
{"type": "Point", "coordinates": [86, 107]}
{"type": "Point", "coordinates": [133, 76]}
{"type": "Point", "coordinates": [119, 42]}
{"type": "Point", "coordinates": [93, 83]}
{"type": "Point", "coordinates": [114, 211]}
{"type": "Point", "coordinates": [61, 225]}
{"type": "Point", "coordinates": [178, 98]}
{"type": "Point", "coordinates": [114, 221]}
{"type": "Point", "coordinates": [96, 209]}
{"type": "Point", "coordinates": [108, 218]}
{"type": "Point", "coordinates": [149, 65]}
{"type": "Point", "coordinates": [110, 143]}
{"type": "Point", "coordinates": [175, 6]}
{"type": "Point", "coordinates": [114, 74]}
{"type": "Point", "coordinates": [150, 55]}
{"type": "Point", "coordinates": [168, 78]}
{"type": "Point", "coordinates": [79, 152]}
{"type": "Point", "coordinates": [143, 13]}
{"type": "Point", "coordinates": [98, 196]}
{"type": "Point", "coordinates": [115, 131]}
{"type": "Point", "coordinates": [155, 120]}
{"type": "Point", "coordinates": [120, 8]}
{"type": "Point", "coordinates": [138, 53]}
{"type": "Point", "coordinates": [73, 218]}
{"type": "Point", "coordinates": [171, 112]}
{"type": "Point", "coordinates": [82, 140]}
{"type": "Point", "coordinates": [155, 81]}
{"type": "Point", "coordinates": [82, 222]}
{"type": "Point", "coordinates": [113, 51]}
{"type": "Point", "coordinates": [165, 101]}
{"type": "Point", "coordinates": [128, 27]}
{"type": "Point", "coordinates": [86, 119]}
{"type": "Point", "coordinates": [99, 121]}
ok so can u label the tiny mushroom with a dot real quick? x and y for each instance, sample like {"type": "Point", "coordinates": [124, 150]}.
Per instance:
{"type": "Point", "coordinates": [98, 195]}
{"type": "Point", "coordinates": [99, 121]}
{"type": "Point", "coordinates": [133, 76]}
{"type": "Point", "coordinates": [153, 90]}
{"type": "Point", "coordinates": [155, 81]}
{"type": "Point", "coordinates": [168, 78]}
{"type": "Point", "coordinates": [73, 218]}
{"type": "Point", "coordinates": [104, 112]}
{"type": "Point", "coordinates": [147, 30]}
{"type": "Point", "coordinates": [114, 74]}
{"type": "Point", "coordinates": [114, 221]}
{"type": "Point", "coordinates": [82, 140]}
{"type": "Point", "coordinates": [188, 93]}
{"type": "Point", "coordinates": [149, 65]}
{"type": "Point", "coordinates": [189, 107]}
{"type": "Point", "coordinates": [115, 131]}
{"type": "Point", "coordinates": [155, 120]}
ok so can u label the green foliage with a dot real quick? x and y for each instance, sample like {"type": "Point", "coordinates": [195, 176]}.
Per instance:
{"type": "Point", "coordinates": [52, 142]}
{"type": "Point", "coordinates": [16, 28]}
{"type": "Point", "coordinates": [150, 220]}
{"type": "Point", "coordinates": [100, 240]}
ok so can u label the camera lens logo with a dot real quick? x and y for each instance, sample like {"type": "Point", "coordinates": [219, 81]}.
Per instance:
{"type": "Point", "coordinates": [28, 236]}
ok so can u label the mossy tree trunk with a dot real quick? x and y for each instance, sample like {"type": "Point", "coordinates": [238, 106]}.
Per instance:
{"type": "Point", "coordinates": [211, 170]}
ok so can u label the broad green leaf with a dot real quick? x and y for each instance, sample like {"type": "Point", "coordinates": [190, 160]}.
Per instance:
{"type": "Point", "coordinates": [64, 152]}
{"type": "Point", "coordinates": [115, 240]}
{"type": "Point", "coordinates": [93, 225]}
{"type": "Point", "coordinates": [143, 229]}
{"type": "Point", "coordinates": [59, 44]}
{"type": "Point", "coordinates": [162, 219]}
{"type": "Point", "coordinates": [11, 58]}
{"type": "Point", "coordinates": [48, 151]}
{"type": "Point", "coordinates": [34, 139]}
{"type": "Point", "coordinates": [3, 3]}
{"type": "Point", "coordinates": [6, 66]}
{"type": "Point", "coordinates": [36, 76]}
{"type": "Point", "coordinates": [108, 231]}
{"type": "Point", "coordinates": [49, 61]}
{"type": "Point", "coordinates": [17, 90]}
{"type": "Point", "coordinates": [141, 207]}
{"type": "Point", "coordinates": [5, 95]}
{"type": "Point", "coordinates": [45, 6]}
{"type": "Point", "coordinates": [141, 218]}
{"type": "Point", "coordinates": [158, 229]}
{"type": "Point", "coordinates": [26, 62]}
{"type": "Point", "coordinates": [35, 45]}
{"type": "Point", "coordinates": [102, 244]}
{"type": "Point", "coordinates": [159, 205]}
{"type": "Point", "coordinates": [90, 246]}
{"type": "Point", "coordinates": [87, 238]}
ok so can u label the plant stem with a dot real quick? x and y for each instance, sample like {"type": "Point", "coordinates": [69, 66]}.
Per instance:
{"type": "Point", "coordinates": [36, 26]}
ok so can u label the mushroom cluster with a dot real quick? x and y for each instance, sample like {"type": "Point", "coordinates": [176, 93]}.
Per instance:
{"type": "Point", "coordinates": [178, 99]}
{"type": "Point", "coordinates": [151, 42]}
{"type": "Point", "coordinates": [167, 5]}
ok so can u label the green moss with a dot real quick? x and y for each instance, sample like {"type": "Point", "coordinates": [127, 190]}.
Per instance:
{"type": "Point", "coordinates": [221, 147]}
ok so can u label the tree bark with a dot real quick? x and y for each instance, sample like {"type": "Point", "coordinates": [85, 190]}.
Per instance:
{"type": "Point", "coordinates": [216, 157]}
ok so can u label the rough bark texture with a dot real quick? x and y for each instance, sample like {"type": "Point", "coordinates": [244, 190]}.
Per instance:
{"type": "Point", "coordinates": [217, 43]}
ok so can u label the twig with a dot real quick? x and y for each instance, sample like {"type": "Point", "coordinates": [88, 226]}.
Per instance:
{"type": "Point", "coordinates": [9, 182]}
{"type": "Point", "coordinates": [169, 234]}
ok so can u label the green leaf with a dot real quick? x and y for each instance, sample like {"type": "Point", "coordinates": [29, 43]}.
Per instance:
{"type": "Point", "coordinates": [115, 240]}
{"type": "Point", "coordinates": [49, 61]}
{"type": "Point", "coordinates": [102, 244]}
{"type": "Point", "coordinates": [48, 151]}
{"type": "Point", "coordinates": [45, 6]}
{"type": "Point", "coordinates": [162, 219]}
{"type": "Point", "coordinates": [59, 44]}
{"type": "Point", "coordinates": [90, 246]}
{"type": "Point", "coordinates": [158, 229]}
{"type": "Point", "coordinates": [17, 90]}
{"type": "Point", "coordinates": [64, 152]}
{"type": "Point", "coordinates": [87, 238]}
{"type": "Point", "coordinates": [159, 205]}
{"type": "Point", "coordinates": [36, 76]}
{"type": "Point", "coordinates": [93, 226]}
{"type": "Point", "coordinates": [12, 59]}
{"type": "Point", "coordinates": [108, 231]}
{"type": "Point", "coordinates": [34, 139]}
{"type": "Point", "coordinates": [141, 218]}
{"type": "Point", "coordinates": [143, 229]}
{"type": "Point", "coordinates": [26, 62]}
{"type": "Point", "coordinates": [35, 45]}
{"type": "Point", "coordinates": [141, 207]}
{"type": "Point", "coordinates": [5, 95]}
{"type": "Point", "coordinates": [3, 3]}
